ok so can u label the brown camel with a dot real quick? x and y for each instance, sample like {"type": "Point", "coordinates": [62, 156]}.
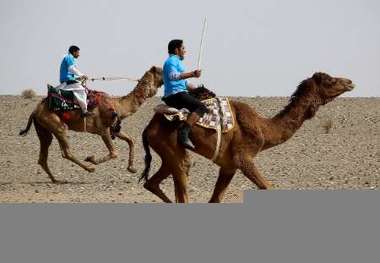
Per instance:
{"type": "Point", "coordinates": [251, 135]}
{"type": "Point", "coordinates": [48, 123]}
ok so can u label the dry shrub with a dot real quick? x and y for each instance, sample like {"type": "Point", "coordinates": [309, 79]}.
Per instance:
{"type": "Point", "coordinates": [327, 125]}
{"type": "Point", "coordinates": [28, 94]}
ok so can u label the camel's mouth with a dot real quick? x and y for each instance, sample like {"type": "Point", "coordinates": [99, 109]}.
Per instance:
{"type": "Point", "coordinates": [350, 87]}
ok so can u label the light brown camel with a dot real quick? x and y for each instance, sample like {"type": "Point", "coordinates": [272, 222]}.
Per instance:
{"type": "Point", "coordinates": [251, 135]}
{"type": "Point", "coordinates": [48, 123]}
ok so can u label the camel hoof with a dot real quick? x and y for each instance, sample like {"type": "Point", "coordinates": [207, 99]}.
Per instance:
{"type": "Point", "coordinates": [90, 169]}
{"type": "Point", "coordinates": [90, 159]}
{"type": "Point", "coordinates": [132, 170]}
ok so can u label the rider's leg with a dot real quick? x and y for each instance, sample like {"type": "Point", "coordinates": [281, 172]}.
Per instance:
{"type": "Point", "coordinates": [197, 109]}
{"type": "Point", "coordinates": [81, 97]}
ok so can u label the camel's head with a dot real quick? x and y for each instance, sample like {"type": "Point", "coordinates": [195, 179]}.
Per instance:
{"type": "Point", "coordinates": [328, 88]}
{"type": "Point", "coordinates": [150, 82]}
{"type": "Point", "coordinates": [319, 90]}
{"type": "Point", "coordinates": [157, 76]}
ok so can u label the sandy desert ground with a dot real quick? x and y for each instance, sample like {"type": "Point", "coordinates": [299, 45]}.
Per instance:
{"type": "Point", "coordinates": [347, 157]}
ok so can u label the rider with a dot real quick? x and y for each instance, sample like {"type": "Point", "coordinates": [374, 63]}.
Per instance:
{"type": "Point", "coordinates": [70, 74]}
{"type": "Point", "coordinates": [176, 89]}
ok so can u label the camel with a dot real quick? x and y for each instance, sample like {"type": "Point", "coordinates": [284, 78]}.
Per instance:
{"type": "Point", "coordinates": [251, 134]}
{"type": "Point", "coordinates": [48, 123]}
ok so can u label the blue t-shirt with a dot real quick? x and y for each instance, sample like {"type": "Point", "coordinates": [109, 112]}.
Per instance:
{"type": "Point", "coordinates": [173, 66]}
{"type": "Point", "coordinates": [65, 75]}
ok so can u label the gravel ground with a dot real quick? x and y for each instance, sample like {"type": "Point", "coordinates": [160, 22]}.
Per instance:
{"type": "Point", "coordinates": [347, 156]}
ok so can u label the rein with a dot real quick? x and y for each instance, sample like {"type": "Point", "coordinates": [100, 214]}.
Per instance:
{"type": "Point", "coordinates": [114, 78]}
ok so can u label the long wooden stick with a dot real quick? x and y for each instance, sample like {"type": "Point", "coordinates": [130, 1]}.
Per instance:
{"type": "Point", "coordinates": [201, 45]}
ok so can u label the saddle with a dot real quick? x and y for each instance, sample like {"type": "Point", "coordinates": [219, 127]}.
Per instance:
{"type": "Point", "coordinates": [63, 103]}
{"type": "Point", "coordinates": [219, 116]}
{"type": "Point", "coordinates": [64, 100]}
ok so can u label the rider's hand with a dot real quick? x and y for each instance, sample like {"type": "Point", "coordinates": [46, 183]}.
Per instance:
{"type": "Point", "coordinates": [84, 77]}
{"type": "Point", "coordinates": [197, 73]}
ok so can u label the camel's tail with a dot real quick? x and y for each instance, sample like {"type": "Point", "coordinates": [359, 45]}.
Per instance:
{"type": "Point", "coordinates": [148, 156]}
{"type": "Point", "coordinates": [25, 131]}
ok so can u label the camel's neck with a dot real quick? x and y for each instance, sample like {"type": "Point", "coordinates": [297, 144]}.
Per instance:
{"type": "Point", "coordinates": [283, 125]}
{"type": "Point", "coordinates": [130, 103]}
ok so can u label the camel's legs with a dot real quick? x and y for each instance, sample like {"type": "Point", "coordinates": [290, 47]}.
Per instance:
{"type": "Point", "coordinates": [179, 167]}
{"type": "Point", "coordinates": [250, 171]}
{"type": "Point", "coordinates": [106, 137]}
{"type": "Point", "coordinates": [180, 185]}
{"type": "Point", "coordinates": [180, 176]}
{"type": "Point", "coordinates": [63, 143]}
{"type": "Point", "coordinates": [153, 183]}
{"type": "Point", "coordinates": [123, 136]}
{"type": "Point", "coordinates": [224, 179]}
{"type": "Point", "coordinates": [45, 138]}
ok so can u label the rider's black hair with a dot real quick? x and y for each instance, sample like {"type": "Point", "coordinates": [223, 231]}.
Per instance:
{"type": "Point", "coordinates": [73, 49]}
{"type": "Point", "coordinates": [173, 44]}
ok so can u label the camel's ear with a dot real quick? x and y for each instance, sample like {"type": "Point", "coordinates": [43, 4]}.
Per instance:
{"type": "Point", "coordinates": [318, 77]}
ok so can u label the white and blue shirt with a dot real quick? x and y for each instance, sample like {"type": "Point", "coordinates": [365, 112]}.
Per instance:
{"type": "Point", "coordinates": [65, 74]}
{"type": "Point", "coordinates": [173, 67]}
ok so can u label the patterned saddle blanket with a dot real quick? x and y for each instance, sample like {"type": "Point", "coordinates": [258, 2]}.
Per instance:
{"type": "Point", "coordinates": [64, 100]}
{"type": "Point", "coordinates": [219, 115]}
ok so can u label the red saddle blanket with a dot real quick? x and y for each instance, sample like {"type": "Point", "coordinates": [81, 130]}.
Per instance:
{"type": "Point", "coordinates": [63, 103]}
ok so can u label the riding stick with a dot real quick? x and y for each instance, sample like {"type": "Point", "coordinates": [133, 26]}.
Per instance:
{"type": "Point", "coordinates": [201, 45]}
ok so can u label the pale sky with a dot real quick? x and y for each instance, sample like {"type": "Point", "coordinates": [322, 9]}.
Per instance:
{"type": "Point", "coordinates": [252, 48]}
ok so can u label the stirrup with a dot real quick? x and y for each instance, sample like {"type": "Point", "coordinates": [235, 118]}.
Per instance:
{"type": "Point", "coordinates": [188, 144]}
{"type": "Point", "coordinates": [184, 138]}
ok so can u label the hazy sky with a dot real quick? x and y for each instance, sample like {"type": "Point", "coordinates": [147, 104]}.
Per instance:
{"type": "Point", "coordinates": [252, 48]}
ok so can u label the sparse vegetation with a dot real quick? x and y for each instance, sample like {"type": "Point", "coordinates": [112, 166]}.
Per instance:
{"type": "Point", "coordinates": [28, 94]}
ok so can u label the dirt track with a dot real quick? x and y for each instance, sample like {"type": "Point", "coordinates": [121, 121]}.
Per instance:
{"type": "Point", "coordinates": [347, 157]}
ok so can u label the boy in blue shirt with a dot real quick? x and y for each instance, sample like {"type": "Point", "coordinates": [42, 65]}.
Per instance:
{"type": "Point", "coordinates": [176, 89]}
{"type": "Point", "coordinates": [70, 74]}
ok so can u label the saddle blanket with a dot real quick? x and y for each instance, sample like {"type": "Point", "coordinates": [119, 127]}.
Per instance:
{"type": "Point", "coordinates": [219, 115]}
{"type": "Point", "coordinates": [64, 100]}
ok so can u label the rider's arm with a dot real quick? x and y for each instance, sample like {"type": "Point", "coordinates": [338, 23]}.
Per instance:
{"type": "Point", "coordinates": [192, 74]}
{"type": "Point", "coordinates": [71, 66]}
{"type": "Point", "coordinates": [73, 69]}
{"type": "Point", "coordinates": [175, 75]}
